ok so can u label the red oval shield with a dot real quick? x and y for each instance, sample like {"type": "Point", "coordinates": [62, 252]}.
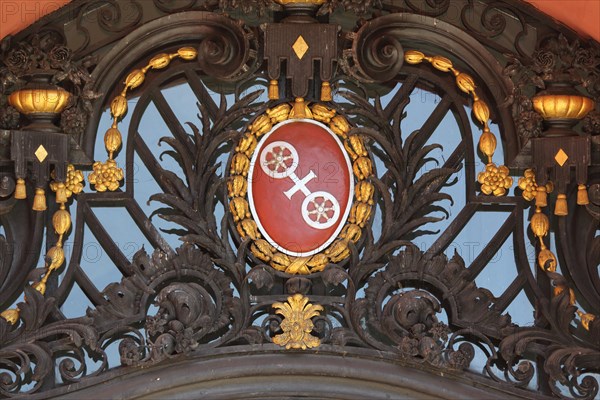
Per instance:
{"type": "Point", "coordinates": [300, 187]}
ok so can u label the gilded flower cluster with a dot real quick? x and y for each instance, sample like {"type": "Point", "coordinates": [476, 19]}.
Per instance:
{"type": "Point", "coordinates": [106, 176]}
{"type": "Point", "coordinates": [495, 180]}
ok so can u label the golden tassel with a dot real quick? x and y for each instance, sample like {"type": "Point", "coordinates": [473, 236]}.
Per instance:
{"type": "Point", "coordinates": [61, 193]}
{"type": "Point", "coordinates": [39, 201]}
{"type": "Point", "coordinates": [326, 91]}
{"type": "Point", "coordinates": [582, 196]}
{"type": "Point", "coordinates": [541, 197]}
{"type": "Point", "coordinates": [20, 189]}
{"type": "Point", "coordinates": [273, 90]}
{"type": "Point", "coordinates": [561, 206]}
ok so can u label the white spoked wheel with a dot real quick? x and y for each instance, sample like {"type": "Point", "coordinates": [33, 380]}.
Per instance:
{"type": "Point", "coordinates": [279, 159]}
{"type": "Point", "coordinates": [320, 210]}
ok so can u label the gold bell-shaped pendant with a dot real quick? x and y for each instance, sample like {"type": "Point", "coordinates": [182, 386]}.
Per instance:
{"type": "Point", "coordinates": [20, 189]}
{"type": "Point", "coordinates": [39, 200]}
{"type": "Point", "coordinates": [561, 208]}
{"type": "Point", "coordinates": [582, 196]}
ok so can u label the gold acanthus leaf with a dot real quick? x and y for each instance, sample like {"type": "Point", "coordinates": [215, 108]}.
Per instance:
{"type": "Point", "coordinates": [297, 324]}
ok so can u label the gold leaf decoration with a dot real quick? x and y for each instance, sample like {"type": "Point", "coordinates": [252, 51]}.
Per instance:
{"type": "Point", "coordinates": [61, 220]}
{"type": "Point", "coordinates": [322, 113]}
{"type": "Point", "coordinates": [318, 262]}
{"type": "Point", "coordinates": [262, 250]}
{"type": "Point", "coordinates": [481, 111]}
{"type": "Point", "coordinates": [338, 250]}
{"type": "Point", "coordinates": [364, 192]}
{"type": "Point", "coordinates": [356, 147]}
{"type": "Point", "coordinates": [72, 185]}
{"type": "Point", "coordinates": [363, 168]}
{"type": "Point", "coordinates": [547, 260]}
{"type": "Point", "coordinates": [248, 228]}
{"type": "Point", "coordinates": [240, 164]}
{"type": "Point", "coordinates": [280, 261]}
{"type": "Point", "coordinates": [135, 79]}
{"type": "Point", "coordinates": [118, 107]}
{"type": "Point", "coordinates": [187, 53]}
{"type": "Point", "coordinates": [339, 125]}
{"type": "Point", "coordinates": [11, 315]}
{"type": "Point", "coordinates": [112, 140]}
{"type": "Point", "coordinates": [239, 209]}
{"type": "Point", "coordinates": [247, 144]}
{"type": "Point", "coordinates": [279, 113]}
{"type": "Point", "coordinates": [237, 186]}
{"type": "Point", "coordinates": [540, 224]}
{"type": "Point", "coordinates": [160, 61]}
{"type": "Point", "coordinates": [56, 257]}
{"type": "Point", "coordinates": [527, 185]}
{"type": "Point", "coordinates": [414, 57]}
{"type": "Point", "coordinates": [297, 324]}
{"type": "Point", "coordinates": [487, 144]}
{"type": "Point", "coordinates": [465, 83]}
{"type": "Point", "coordinates": [261, 126]}
{"type": "Point", "coordinates": [586, 319]}
{"type": "Point", "coordinates": [441, 63]}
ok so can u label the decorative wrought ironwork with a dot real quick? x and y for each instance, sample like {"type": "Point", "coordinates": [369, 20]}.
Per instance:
{"type": "Point", "coordinates": [372, 290]}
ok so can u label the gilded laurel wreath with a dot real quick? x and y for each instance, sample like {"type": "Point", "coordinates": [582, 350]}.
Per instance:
{"type": "Point", "coordinates": [237, 186]}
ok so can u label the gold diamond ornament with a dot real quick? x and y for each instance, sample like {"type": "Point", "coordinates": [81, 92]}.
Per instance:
{"type": "Point", "coordinates": [300, 47]}
{"type": "Point", "coordinates": [561, 157]}
{"type": "Point", "coordinates": [41, 153]}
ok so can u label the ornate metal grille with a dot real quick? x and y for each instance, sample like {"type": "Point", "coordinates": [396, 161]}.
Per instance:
{"type": "Point", "coordinates": [210, 282]}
